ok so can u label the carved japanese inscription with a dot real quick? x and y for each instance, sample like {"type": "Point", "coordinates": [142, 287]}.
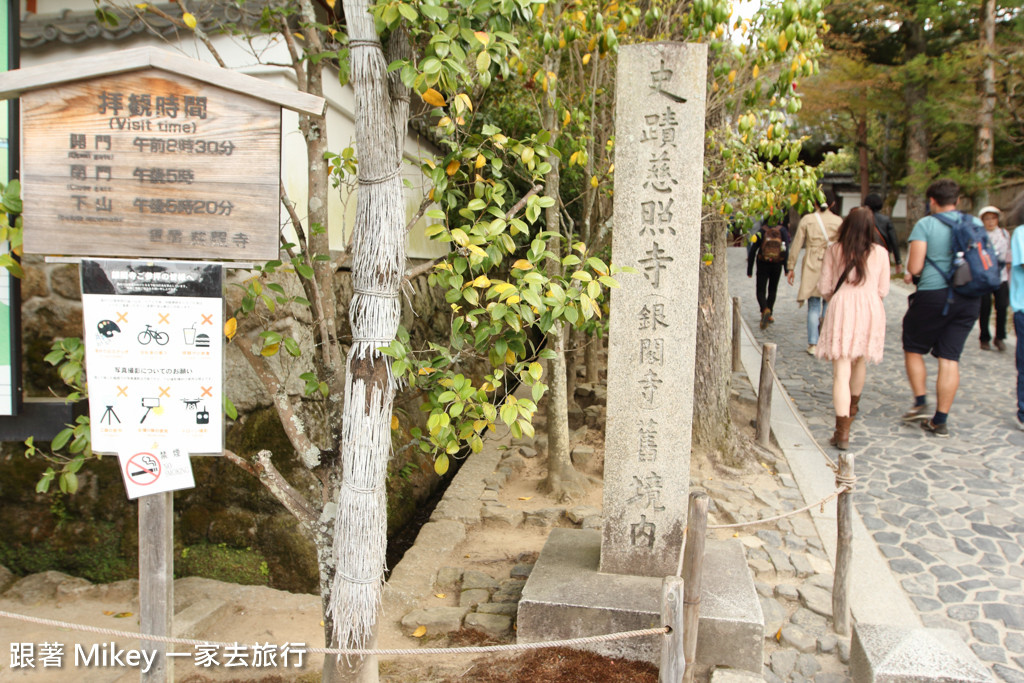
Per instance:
{"type": "Point", "coordinates": [150, 164]}
{"type": "Point", "coordinates": [658, 185]}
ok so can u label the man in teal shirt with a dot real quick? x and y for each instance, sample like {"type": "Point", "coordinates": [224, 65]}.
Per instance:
{"type": "Point", "coordinates": [1017, 304]}
{"type": "Point", "coordinates": [929, 326]}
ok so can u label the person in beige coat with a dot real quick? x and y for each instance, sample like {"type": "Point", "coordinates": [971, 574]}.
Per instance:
{"type": "Point", "coordinates": [815, 232]}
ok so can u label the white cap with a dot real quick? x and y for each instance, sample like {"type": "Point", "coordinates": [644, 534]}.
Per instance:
{"type": "Point", "coordinates": [989, 209]}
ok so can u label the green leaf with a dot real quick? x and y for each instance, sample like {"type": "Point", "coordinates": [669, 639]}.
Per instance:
{"type": "Point", "coordinates": [59, 441]}
{"type": "Point", "coordinates": [441, 464]}
{"type": "Point", "coordinates": [408, 12]}
{"type": "Point", "coordinates": [304, 270]}
{"type": "Point", "coordinates": [292, 347]}
{"type": "Point", "coordinates": [229, 408]}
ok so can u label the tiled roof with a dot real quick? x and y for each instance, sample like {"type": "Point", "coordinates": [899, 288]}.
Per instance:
{"type": "Point", "coordinates": [39, 31]}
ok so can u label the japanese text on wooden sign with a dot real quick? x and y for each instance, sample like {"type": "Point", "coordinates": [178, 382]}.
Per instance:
{"type": "Point", "coordinates": [150, 164]}
{"type": "Point", "coordinates": [154, 353]}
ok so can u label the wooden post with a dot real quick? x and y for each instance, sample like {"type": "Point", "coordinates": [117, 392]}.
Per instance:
{"type": "Point", "coordinates": [764, 395]}
{"type": "Point", "coordinates": [693, 568]}
{"type": "Point", "coordinates": [844, 549]}
{"type": "Point", "coordinates": [737, 330]}
{"type": "Point", "coordinates": [673, 656]}
{"type": "Point", "coordinates": [156, 580]}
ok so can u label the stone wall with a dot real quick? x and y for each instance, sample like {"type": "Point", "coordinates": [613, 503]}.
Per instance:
{"type": "Point", "coordinates": [227, 506]}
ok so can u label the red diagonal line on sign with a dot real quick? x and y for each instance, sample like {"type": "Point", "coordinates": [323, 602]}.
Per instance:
{"type": "Point", "coordinates": [206, 391]}
{"type": "Point", "coordinates": [163, 318]}
{"type": "Point", "coordinates": [122, 391]}
{"type": "Point", "coordinates": [163, 392]}
{"type": "Point", "coordinates": [207, 319]}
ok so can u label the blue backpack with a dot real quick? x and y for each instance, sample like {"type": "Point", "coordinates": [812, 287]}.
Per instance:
{"type": "Point", "coordinates": [975, 270]}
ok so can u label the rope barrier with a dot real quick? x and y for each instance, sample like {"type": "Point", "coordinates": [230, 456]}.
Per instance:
{"type": "Point", "coordinates": [349, 652]}
{"type": "Point", "coordinates": [805, 508]}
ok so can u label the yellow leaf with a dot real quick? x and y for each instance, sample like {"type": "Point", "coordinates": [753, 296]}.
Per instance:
{"type": "Point", "coordinates": [525, 497]}
{"type": "Point", "coordinates": [512, 300]}
{"type": "Point", "coordinates": [510, 357]}
{"type": "Point", "coordinates": [459, 120]}
{"type": "Point", "coordinates": [586, 59]}
{"type": "Point", "coordinates": [611, 169]}
{"type": "Point", "coordinates": [714, 87]}
{"type": "Point", "coordinates": [444, 122]}
{"type": "Point", "coordinates": [430, 195]}
{"type": "Point", "coordinates": [482, 37]}
{"type": "Point", "coordinates": [481, 281]}
{"type": "Point", "coordinates": [783, 42]}
{"type": "Point", "coordinates": [440, 595]}
{"type": "Point", "coordinates": [573, 157]}
{"type": "Point", "coordinates": [394, 422]}
{"type": "Point", "coordinates": [567, 118]}
{"type": "Point", "coordinates": [441, 465]}
{"type": "Point", "coordinates": [299, 36]}
{"type": "Point", "coordinates": [793, 198]}
{"type": "Point", "coordinates": [270, 350]}
{"type": "Point", "coordinates": [522, 264]}
{"type": "Point", "coordinates": [142, 5]}
{"type": "Point", "coordinates": [473, 249]}
{"type": "Point", "coordinates": [480, 161]}
{"type": "Point", "coordinates": [108, 612]}
{"type": "Point", "coordinates": [452, 167]}
{"type": "Point", "coordinates": [230, 328]}
{"type": "Point", "coordinates": [123, 615]}
{"type": "Point", "coordinates": [593, 181]}
{"type": "Point", "coordinates": [433, 97]}
{"type": "Point", "coordinates": [732, 76]}
{"type": "Point", "coordinates": [425, 371]}
{"type": "Point", "coordinates": [464, 98]}
{"type": "Point", "coordinates": [540, 11]}
{"type": "Point", "coordinates": [330, 3]}
{"type": "Point", "coordinates": [189, 19]}
{"type": "Point", "coordinates": [419, 632]}
{"type": "Point", "coordinates": [755, 71]}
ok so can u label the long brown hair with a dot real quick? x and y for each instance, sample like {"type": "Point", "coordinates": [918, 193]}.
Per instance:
{"type": "Point", "coordinates": [856, 236]}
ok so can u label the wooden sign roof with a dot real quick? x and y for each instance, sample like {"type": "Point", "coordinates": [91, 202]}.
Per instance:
{"type": "Point", "coordinates": [14, 83]}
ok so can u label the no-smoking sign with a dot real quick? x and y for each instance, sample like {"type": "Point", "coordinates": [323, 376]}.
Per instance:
{"type": "Point", "coordinates": [155, 468]}
{"type": "Point", "coordinates": [143, 469]}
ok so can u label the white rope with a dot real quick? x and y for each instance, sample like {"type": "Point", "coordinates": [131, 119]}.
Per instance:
{"type": "Point", "coordinates": [353, 652]}
{"type": "Point", "coordinates": [785, 514]}
{"type": "Point", "coordinates": [376, 292]}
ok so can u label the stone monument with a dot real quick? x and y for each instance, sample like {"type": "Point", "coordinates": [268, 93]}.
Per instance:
{"type": "Point", "coordinates": [659, 170]}
{"type": "Point", "coordinates": [585, 583]}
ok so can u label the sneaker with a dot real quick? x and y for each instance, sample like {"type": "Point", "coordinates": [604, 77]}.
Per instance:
{"type": "Point", "coordinates": [917, 413]}
{"type": "Point", "coordinates": [985, 346]}
{"type": "Point", "coordinates": [941, 431]}
{"type": "Point", "coordinates": [766, 317]}
{"type": "Point", "coordinates": [812, 349]}
{"type": "Point", "coordinates": [1000, 345]}
{"type": "Point", "coordinates": [1020, 424]}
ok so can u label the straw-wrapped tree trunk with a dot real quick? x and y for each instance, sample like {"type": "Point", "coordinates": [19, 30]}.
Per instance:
{"type": "Point", "coordinates": [378, 265]}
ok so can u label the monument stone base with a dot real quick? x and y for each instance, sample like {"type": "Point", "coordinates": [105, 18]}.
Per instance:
{"type": "Point", "coordinates": [566, 597]}
{"type": "Point", "coordinates": [893, 654]}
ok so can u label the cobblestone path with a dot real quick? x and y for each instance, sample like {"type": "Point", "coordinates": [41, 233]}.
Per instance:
{"type": "Point", "coordinates": [947, 513]}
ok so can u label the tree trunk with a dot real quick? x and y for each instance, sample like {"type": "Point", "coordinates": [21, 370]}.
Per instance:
{"type": "Point", "coordinates": [987, 102]}
{"type": "Point", "coordinates": [378, 264]}
{"type": "Point", "coordinates": [862, 148]}
{"type": "Point", "coordinates": [573, 338]}
{"type": "Point", "coordinates": [592, 355]}
{"type": "Point", "coordinates": [914, 94]}
{"type": "Point", "coordinates": [712, 424]}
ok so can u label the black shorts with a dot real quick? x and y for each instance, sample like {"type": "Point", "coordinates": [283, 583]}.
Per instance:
{"type": "Point", "coordinates": [927, 330]}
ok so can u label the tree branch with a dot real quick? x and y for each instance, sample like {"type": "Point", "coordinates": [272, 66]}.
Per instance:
{"type": "Point", "coordinates": [263, 469]}
{"type": "Point", "coordinates": [309, 453]}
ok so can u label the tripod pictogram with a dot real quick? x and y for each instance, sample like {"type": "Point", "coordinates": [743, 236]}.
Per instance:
{"type": "Point", "coordinates": [109, 416]}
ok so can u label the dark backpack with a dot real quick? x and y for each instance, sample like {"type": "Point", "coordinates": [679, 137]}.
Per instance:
{"type": "Point", "coordinates": [975, 270]}
{"type": "Point", "coordinates": [773, 248]}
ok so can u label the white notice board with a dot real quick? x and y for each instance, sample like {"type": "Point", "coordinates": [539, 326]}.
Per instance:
{"type": "Point", "coordinates": [154, 353]}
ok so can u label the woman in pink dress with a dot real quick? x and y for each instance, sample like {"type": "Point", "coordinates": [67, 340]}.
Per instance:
{"type": "Point", "coordinates": [854, 280]}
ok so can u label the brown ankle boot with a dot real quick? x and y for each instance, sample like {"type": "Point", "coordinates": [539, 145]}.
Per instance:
{"type": "Point", "coordinates": [841, 438]}
{"type": "Point", "coordinates": [854, 400]}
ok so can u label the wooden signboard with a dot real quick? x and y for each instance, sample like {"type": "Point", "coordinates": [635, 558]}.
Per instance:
{"type": "Point", "coordinates": [150, 163]}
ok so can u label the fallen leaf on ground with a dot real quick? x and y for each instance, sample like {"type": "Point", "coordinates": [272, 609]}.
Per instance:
{"type": "Point", "coordinates": [419, 632]}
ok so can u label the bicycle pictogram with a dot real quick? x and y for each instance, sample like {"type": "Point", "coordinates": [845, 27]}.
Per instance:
{"type": "Point", "coordinates": [149, 333]}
